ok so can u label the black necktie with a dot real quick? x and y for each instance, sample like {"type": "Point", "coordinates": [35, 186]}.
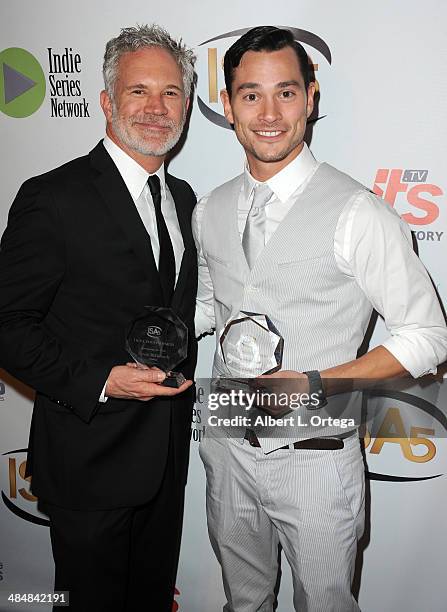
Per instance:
{"type": "Point", "coordinates": [166, 264]}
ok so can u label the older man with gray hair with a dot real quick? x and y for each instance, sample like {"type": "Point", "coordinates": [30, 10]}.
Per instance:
{"type": "Point", "coordinates": [87, 248]}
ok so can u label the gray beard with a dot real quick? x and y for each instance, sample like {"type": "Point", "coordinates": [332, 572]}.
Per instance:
{"type": "Point", "coordinates": [139, 144]}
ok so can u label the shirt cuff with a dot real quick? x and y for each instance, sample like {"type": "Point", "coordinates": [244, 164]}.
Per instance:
{"type": "Point", "coordinates": [103, 397]}
{"type": "Point", "coordinates": [204, 324]}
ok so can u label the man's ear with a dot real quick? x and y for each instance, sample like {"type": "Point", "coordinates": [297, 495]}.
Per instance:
{"type": "Point", "coordinates": [225, 99]}
{"type": "Point", "coordinates": [310, 99]}
{"type": "Point", "coordinates": [106, 105]}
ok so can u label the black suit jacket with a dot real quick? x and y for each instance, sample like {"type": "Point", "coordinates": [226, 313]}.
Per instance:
{"type": "Point", "coordinates": [76, 266]}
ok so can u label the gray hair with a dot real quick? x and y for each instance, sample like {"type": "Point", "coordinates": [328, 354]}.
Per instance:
{"type": "Point", "coordinates": [139, 37]}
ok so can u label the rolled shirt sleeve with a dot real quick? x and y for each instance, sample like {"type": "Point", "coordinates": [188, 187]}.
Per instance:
{"type": "Point", "coordinates": [204, 318]}
{"type": "Point", "coordinates": [374, 245]}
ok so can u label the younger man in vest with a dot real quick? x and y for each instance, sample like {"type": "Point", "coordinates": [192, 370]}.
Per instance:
{"type": "Point", "coordinates": [316, 252]}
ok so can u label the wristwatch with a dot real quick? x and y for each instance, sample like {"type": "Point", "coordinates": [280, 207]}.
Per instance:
{"type": "Point", "coordinates": [316, 390]}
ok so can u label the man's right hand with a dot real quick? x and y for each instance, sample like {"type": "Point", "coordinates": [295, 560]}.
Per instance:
{"type": "Point", "coordinates": [142, 384]}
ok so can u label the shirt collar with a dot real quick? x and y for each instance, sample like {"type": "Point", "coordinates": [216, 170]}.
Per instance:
{"type": "Point", "coordinates": [134, 175]}
{"type": "Point", "coordinates": [286, 181]}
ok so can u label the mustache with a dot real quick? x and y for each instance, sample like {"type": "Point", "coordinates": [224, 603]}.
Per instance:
{"type": "Point", "coordinates": [154, 119]}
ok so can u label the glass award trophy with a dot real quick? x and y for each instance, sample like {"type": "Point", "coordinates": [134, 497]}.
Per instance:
{"type": "Point", "coordinates": [159, 338]}
{"type": "Point", "coordinates": [250, 345]}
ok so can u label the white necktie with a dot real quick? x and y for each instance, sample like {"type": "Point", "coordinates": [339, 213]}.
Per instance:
{"type": "Point", "coordinates": [253, 238]}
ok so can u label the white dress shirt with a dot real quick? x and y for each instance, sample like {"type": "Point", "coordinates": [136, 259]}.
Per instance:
{"type": "Point", "coordinates": [135, 178]}
{"type": "Point", "coordinates": [371, 244]}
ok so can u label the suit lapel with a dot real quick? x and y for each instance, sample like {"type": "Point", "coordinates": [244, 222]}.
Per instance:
{"type": "Point", "coordinates": [115, 194]}
{"type": "Point", "coordinates": [184, 219]}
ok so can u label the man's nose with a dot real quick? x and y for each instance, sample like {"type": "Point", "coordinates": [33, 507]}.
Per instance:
{"type": "Point", "coordinates": [269, 110]}
{"type": "Point", "coordinates": [155, 104]}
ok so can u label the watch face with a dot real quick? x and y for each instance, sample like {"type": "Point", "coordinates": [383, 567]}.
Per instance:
{"type": "Point", "coordinates": [316, 389]}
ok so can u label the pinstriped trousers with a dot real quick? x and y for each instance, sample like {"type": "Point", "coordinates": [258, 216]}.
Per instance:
{"type": "Point", "coordinates": [309, 501]}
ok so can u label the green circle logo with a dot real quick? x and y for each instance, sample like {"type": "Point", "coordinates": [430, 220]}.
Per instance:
{"type": "Point", "coordinates": [22, 83]}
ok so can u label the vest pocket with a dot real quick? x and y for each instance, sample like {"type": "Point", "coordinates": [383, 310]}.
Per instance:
{"type": "Point", "coordinates": [304, 260]}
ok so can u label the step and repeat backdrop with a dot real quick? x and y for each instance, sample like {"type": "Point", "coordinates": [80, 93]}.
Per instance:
{"type": "Point", "coordinates": [382, 84]}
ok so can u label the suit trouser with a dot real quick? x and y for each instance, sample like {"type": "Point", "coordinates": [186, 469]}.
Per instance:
{"type": "Point", "coordinates": [311, 502]}
{"type": "Point", "coordinates": [120, 560]}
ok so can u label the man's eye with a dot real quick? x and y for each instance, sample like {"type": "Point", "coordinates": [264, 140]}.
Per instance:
{"type": "Point", "coordinates": [171, 92]}
{"type": "Point", "coordinates": [251, 97]}
{"type": "Point", "coordinates": [137, 91]}
{"type": "Point", "coordinates": [287, 94]}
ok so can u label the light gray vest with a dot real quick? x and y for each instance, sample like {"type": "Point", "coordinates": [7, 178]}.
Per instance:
{"type": "Point", "coordinates": [321, 313]}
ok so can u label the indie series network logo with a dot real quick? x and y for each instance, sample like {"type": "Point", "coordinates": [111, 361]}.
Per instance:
{"type": "Point", "coordinates": [22, 83]}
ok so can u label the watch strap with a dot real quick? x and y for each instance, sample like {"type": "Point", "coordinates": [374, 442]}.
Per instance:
{"type": "Point", "coordinates": [316, 389]}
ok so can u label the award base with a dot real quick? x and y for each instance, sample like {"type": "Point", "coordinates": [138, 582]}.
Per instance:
{"type": "Point", "coordinates": [174, 380]}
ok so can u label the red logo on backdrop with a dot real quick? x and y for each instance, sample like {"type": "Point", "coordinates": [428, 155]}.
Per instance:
{"type": "Point", "coordinates": [413, 183]}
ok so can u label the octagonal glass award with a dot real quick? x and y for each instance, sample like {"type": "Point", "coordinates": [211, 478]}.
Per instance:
{"type": "Point", "coordinates": [158, 337]}
{"type": "Point", "coordinates": [250, 346]}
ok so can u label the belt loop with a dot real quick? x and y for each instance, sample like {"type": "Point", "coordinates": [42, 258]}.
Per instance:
{"type": "Point", "coordinates": [291, 447]}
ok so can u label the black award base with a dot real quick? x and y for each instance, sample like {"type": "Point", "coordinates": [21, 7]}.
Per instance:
{"type": "Point", "coordinates": [174, 380]}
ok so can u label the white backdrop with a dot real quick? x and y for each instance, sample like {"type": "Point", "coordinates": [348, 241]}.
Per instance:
{"type": "Point", "coordinates": [383, 98]}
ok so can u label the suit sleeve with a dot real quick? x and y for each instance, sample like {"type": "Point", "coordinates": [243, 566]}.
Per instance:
{"type": "Point", "coordinates": [32, 267]}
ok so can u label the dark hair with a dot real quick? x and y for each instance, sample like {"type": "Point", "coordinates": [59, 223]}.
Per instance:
{"type": "Point", "coordinates": [264, 38]}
